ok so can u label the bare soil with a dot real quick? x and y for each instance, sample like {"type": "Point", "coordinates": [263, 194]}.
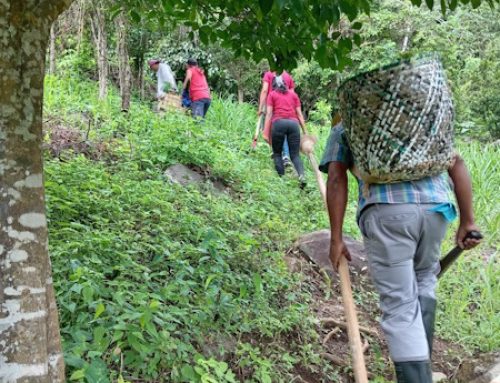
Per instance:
{"type": "Point", "coordinates": [327, 303]}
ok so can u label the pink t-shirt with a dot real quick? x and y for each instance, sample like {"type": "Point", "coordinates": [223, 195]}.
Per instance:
{"type": "Point", "coordinates": [198, 86]}
{"type": "Point", "coordinates": [284, 105]}
{"type": "Point", "coordinates": [269, 77]}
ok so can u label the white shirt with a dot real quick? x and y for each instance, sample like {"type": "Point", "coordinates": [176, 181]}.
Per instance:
{"type": "Point", "coordinates": [165, 76]}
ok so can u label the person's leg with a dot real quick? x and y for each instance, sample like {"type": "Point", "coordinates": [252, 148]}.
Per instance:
{"type": "Point", "coordinates": [277, 137]}
{"type": "Point", "coordinates": [206, 105]}
{"type": "Point", "coordinates": [197, 109]}
{"type": "Point", "coordinates": [286, 152]}
{"type": "Point", "coordinates": [391, 233]}
{"type": "Point", "coordinates": [293, 135]}
{"type": "Point", "coordinates": [427, 266]}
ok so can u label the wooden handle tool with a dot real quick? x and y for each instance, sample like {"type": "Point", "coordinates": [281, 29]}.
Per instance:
{"type": "Point", "coordinates": [358, 359]}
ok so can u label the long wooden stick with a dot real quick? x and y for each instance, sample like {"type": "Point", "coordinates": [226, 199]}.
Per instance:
{"type": "Point", "coordinates": [358, 359]}
{"type": "Point", "coordinates": [256, 135]}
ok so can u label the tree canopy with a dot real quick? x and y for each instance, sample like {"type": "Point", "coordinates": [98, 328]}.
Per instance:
{"type": "Point", "coordinates": [281, 31]}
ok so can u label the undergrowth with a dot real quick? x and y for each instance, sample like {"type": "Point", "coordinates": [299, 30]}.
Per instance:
{"type": "Point", "coordinates": [156, 282]}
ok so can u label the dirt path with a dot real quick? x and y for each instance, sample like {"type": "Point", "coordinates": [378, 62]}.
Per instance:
{"type": "Point", "coordinates": [327, 305]}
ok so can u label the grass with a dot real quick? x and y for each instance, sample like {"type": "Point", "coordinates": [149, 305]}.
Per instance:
{"type": "Point", "coordinates": [152, 278]}
{"type": "Point", "coordinates": [470, 292]}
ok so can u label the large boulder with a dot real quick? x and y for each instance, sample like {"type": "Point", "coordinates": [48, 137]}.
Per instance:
{"type": "Point", "coordinates": [316, 247]}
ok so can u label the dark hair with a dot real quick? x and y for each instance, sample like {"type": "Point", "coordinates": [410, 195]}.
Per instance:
{"type": "Point", "coordinates": [192, 61]}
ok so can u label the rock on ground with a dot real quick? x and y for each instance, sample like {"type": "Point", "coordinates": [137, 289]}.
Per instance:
{"type": "Point", "coordinates": [185, 176]}
{"type": "Point", "coordinates": [316, 247]}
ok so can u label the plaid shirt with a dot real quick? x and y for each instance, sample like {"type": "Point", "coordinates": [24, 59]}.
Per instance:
{"type": "Point", "coordinates": [435, 189]}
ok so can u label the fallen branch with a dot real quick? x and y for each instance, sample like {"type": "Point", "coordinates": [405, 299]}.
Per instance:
{"type": "Point", "coordinates": [343, 325]}
{"type": "Point", "coordinates": [330, 334]}
{"type": "Point", "coordinates": [334, 359]}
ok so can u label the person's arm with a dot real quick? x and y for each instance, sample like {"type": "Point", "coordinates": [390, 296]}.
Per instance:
{"type": "Point", "coordinates": [463, 193]}
{"type": "Point", "coordinates": [187, 79]}
{"type": "Point", "coordinates": [263, 97]}
{"type": "Point", "coordinates": [267, 124]}
{"type": "Point", "coordinates": [336, 197]}
{"type": "Point", "coordinates": [300, 116]}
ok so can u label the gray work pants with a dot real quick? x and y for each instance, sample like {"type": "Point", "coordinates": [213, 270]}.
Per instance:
{"type": "Point", "coordinates": [403, 244]}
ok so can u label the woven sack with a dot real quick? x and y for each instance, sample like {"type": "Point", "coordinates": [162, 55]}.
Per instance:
{"type": "Point", "coordinates": [170, 102]}
{"type": "Point", "coordinates": [399, 121]}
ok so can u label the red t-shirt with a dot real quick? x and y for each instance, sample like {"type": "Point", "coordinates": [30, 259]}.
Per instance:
{"type": "Point", "coordinates": [269, 77]}
{"type": "Point", "coordinates": [198, 86]}
{"type": "Point", "coordinates": [284, 105]}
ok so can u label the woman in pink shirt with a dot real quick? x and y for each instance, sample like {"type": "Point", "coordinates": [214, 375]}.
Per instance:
{"type": "Point", "coordinates": [267, 87]}
{"type": "Point", "coordinates": [283, 117]}
{"type": "Point", "coordinates": [199, 92]}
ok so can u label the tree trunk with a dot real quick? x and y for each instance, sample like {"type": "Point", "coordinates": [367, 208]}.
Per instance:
{"type": "Point", "coordinates": [98, 23]}
{"type": "Point", "coordinates": [30, 347]}
{"type": "Point", "coordinates": [124, 61]}
{"type": "Point", "coordinates": [52, 49]}
{"type": "Point", "coordinates": [406, 38]}
{"type": "Point", "coordinates": [81, 24]}
{"type": "Point", "coordinates": [240, 93]}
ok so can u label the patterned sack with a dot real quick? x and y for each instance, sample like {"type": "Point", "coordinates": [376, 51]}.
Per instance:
{"type": "Point", "coordinates": [399, 121]}
{"type": "Point", "coordinates": [169, 103]}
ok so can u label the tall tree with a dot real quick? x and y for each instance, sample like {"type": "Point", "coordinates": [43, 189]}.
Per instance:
{"type": "Point", "coordinates": [125, 72]}
{"type": "Point", "coordinates": [30, 348]}
{"type": "Point", "coordinates": [52, 48]}
{"type": "Point", "coordinates": [98, 26]}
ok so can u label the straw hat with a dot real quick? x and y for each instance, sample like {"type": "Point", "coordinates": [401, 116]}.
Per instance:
{"type": "Point", "coordinates": [307, 143]}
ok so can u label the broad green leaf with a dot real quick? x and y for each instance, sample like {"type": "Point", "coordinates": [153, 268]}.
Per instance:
{"type": "Point", "coordinates": [88, 294]}
{"type": "Point", "coordinates": [77, 375]}
{"type": "Point", "coordinates": [266, 6]}
{"type": "Point", "coordinates": [430, 4]}
{"type": "Point", "coordinates": [357, 25]}
{"type": "Point", "coordinates": [99, 310]}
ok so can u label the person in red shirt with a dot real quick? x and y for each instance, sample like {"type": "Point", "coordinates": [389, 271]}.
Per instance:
{"type": "Point", "coordinates": [199, 92]}
{"type": "Point", "coordinates": [267, 87]}
{"type": "Point", "coordinates": [283, 117]}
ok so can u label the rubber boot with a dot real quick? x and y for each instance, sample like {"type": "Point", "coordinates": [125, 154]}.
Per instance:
{"type": "Point", "coordinates": [428, 310]}
{"type": "Point", "coordinates": [413, 372]}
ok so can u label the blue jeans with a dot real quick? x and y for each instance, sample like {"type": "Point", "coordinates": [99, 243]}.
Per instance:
{"type": "Point", "coordinates": [286, 149]}
{"type": "Point", "coordinates": [200, 107]}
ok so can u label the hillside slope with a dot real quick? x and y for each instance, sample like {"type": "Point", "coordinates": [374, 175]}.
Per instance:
{"type": "Point", "coordinates": [161, 283]}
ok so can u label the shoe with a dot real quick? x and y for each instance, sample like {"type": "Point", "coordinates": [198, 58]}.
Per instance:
{"type": "Point", "coordinates": [302, 182]}
{"type": "Point", "coordinates": [287, 162]}
{"type": "Point", "coordinates": [428, 310]}
{"type": "Point", "coordinates": [413, 372]}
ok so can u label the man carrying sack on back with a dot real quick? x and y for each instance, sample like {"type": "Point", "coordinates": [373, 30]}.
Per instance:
{"type": "Point", "coordinates": [166, 86]}
{"type": "Point", "coordinates": [399, 147]}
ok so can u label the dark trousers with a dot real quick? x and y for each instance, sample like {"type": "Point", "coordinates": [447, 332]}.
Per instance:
{"type": "Point", "coordinates": [288, 129]}
{"type": "Point", "coordinates": [199, 108]}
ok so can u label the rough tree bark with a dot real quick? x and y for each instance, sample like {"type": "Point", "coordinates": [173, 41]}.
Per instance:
{"type": "Point", "coordinates": [98, 24]}
{"type": "Point", "coordinates": [124, 61]}
{"type": "Point", "coordinates": [30, 348]}
{"type": "Point", "coordinates": [52, 48]}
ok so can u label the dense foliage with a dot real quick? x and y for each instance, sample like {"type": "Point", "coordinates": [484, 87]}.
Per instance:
{"type": "Point", "coordinates": [468, 42]}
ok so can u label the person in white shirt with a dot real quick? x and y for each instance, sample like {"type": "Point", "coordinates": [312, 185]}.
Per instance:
{"type": "Point", "coordinates": [166, 78]}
